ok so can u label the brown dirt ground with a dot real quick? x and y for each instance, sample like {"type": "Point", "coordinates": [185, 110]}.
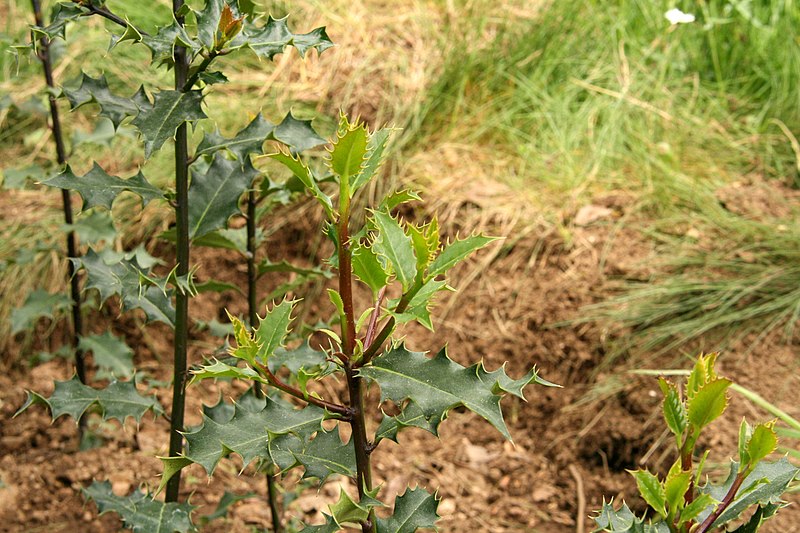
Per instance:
{"type": "Point", "coordinates": [569, 451]}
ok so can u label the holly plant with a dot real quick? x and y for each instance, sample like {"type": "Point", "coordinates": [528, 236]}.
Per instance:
{"type": "Point", "coordinates": [384, 257]}
{"type": "Point", "coordinates": [679, 503]}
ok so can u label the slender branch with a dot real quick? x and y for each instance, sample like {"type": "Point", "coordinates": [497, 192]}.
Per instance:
{"type": "Point", "coordinates": [179, 375]}
{"type": "Point", "coordinates": [272, 498]}
{"type": "Point", "coordinates": [373, 320]}
{"type": "Point", "coordinates": [71, 239]}
{"type": "Point", "coordinates": [109, 15]}
{"type": "Point", "coordinates": [275, 381]}
{"type": "Point", "coordinates": [726, 502]}
{"type": "Point", "coordinates": [373, 347]}
{"type": "Point", "coordinates": [200, 69]}
{"type": "Point", "coordinates": [346, 287]}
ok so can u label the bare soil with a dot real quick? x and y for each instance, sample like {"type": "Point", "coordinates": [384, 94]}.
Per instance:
{"type": "Point", "coordinates": [571, 447]}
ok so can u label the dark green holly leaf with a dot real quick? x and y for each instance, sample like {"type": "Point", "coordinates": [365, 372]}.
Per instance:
{"type": "Point", "coordinates": [62, 13]}
{"type": "Point", "coordinates": [213, 285]}
{"type": "Point", "coordinates": [267, 265]}
{"type": "Point", "coordinates": [119, 400]}
{"type": "Point", "coordinates": [327, 455]}
{"type": "Point", "coordinates": [212, 77]}
{"type": "Point", "coordinates": [414, 509]}
{"type": "Point", "coordinates": [761, 515]}
{"type": "Point", "coordinates": [624, 521]}
{"type": "Point", "coordinates": [95, 90]}
{"type": "Point", "coordinates": [170, 109]}
{"type": "Point", "coordinates": [439, 384]}
{"type": "Point", "coordinates": [297, 134]}
{"type": "Point", "coordinates": [102, 135]}
{"type": "Point", "coordinates": [410, 416]}
{"type": "Point", "coordinates": [272, 38]}
{"type": "Point", "coordinates": [765, 485]}
{"type": "Point", "coordinates": [95, 227]}
{"type": "Point", "coordinates": [393, 244]}
{"type": "Point", "coordinates": [99, 189]}
{"type": "Point", "coordinates": [140, 512]}
{"type": "Point", "coordinates": [249, 434]}
{"type": "Point", "coordinates": [250, 140]}
{"type": "Point", "coordinates": [113, 357]}
{"type": "Point", "coordinates": [304, 356]}
{"type": "Point", "coordinates": [18, 178]}
{"type": "Point", "coordinates": [227, 238]}
{"type": "Point", "coordinates": [457, 251]}
{"type": "Point", "coordinates": [214, 195]}
{"type": "Point", "coordinates": [162, 44]}
{"type": "Point", "coordinates": [38, 304]}
{"type": "Point", "coordinates": [111, 274]}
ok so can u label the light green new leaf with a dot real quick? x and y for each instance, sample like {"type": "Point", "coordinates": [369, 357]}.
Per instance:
{"type": "Point", "coordinates": [674, 410]}
{"type": "Point", "coordinates": [250, 434]}
{"type": "Point", "coordinates": [426, 243]}
{"type": "Point", "coordinates": [95, 90]}
{"type": "Point", "coordinates": [99, 189]}
{"type": "Point", "coordinates": [392, 243]}
{"type": "Point", "coordinates": [119, 400]}
{"type": "Point", "coordinates": [348, 152]}
{"type": "Point", "coordinates": [762, 442]}
{"type": "Point", "coordinates": [38, 304]}
{"type": "Point", "coordinates": [651, 490]}
{"type": "Point", "coordinates": [220, 370]}
{"type": "Point", "coordinates": [374, 158]}
{"type": "Point", "coordinates": [439, 384]}
{"type": "Point", "coordinates": [327, 455]}
{"type": "Point", "coordinates": [348, 511]}
{"type": "Point", "coordinates": [675, 487]}
{"type": "Point", "coordinates": [708, 402]}
{"type": "Point", "coordinates": [110, 353]}
{"type": "Point", "coordinates": [303, 173]}
{"type": "Point", "coordinates": [397, 198]}
{"type": "Point", "coordinates": [140, 512]}
{"type": "Point", "coordinates": [170, 109]}
{"type": "Point", "coordinates": [765, 485]}
{"type": "Point", "coordinates": [414, 509]}
{"type": "Point", "coordinates": [273, 329]}
{"type": "Point", "coordinates": [700, 503]}
{"type": "Point", "coordinates": [249, 140]}
{"type": "Point", "coordinates": [368, 267]}
{"type": "Point", "coordinates": [457, 251]}
{"type": "Point", "coordinates": [214, 195]}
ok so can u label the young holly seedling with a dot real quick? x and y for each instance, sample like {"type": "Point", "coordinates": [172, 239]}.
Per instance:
{"type": "Point", "coordinates": [678, 502]}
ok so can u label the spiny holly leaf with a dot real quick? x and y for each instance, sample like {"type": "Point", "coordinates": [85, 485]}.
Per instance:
{"type": "Point", "coordinates": [220, 370]}
{"type": "Point", "coordinates": [349, 150]}
{"type": "Point", "coordinates": [624, 521]}
{"type": "Point", "coordinates": [140, 512]}
{"type": "Point", "coordinates": [410, 416]}
{"type": "Point", "coordinates": [38, 304]}
{"type": "Point", "coordinates": [304, 356]}
{"type": "Point", "coordinates": [273, 328]}
{"type": "Point", "coordinates": [348, 511]}
{"type": "Point", "coordinates": [111, 274]}
{"type": "Point", "coordinates": [439, 384]}
{"type": "Point", "coordinates": [162, 44]}
{"type": "Point", "coordinates": [297, 134]}
{"type": "Point", "coordinates": [368, 267]}
{"type": "Point", "coordinates": [762, 442]}
{"type": "Point", "coordinates": [271, 39]}
{"type": "Point", "coordinates": [214, 196]}
{"type": "Point", "coordinates": [457, 251]}
{"type": "Point", "coordinates": [99, 189]}
{"type": "Point", "coordinates": [761, 515]}
{"type": "Point", "coordinates": [374, 158]}
{"type": "Point", "coordinates": [95, 90]}
{"type": "Point", "coordinates": [113, 357]}
{"type": "Point", "coordinates": [419, 306]}
{"type": "Point", "coordinates": [170, 109]}
{"type": "Point", "coordinates": [708, 402]}
{"type": "Point", "coordinates": [249, 434]}
{"type": "Point", "coordinates": [208, 22]}
{"type": "Point", "coordinates": [414, 509]}
{"type": "Point", "coordinates": [327, 455]}
{"type": "Point", "coordinates": [250, 140]}
{"type": "Point", "coordinates": [119, 400]}
{"type": "Point", "coordinates": [304, 174]}
{"type": "Point", "coordinates": [426, 243]}
{"type": "Point", "coordinates": [62, 13]}
{"type": "Point", "coordinates": [266, 265]}
{"type": "Point", "coordinates": [674, 410]}
{"type": "Point", "coordinates": [651, 490]}
{"type": "Point", "coordinates": [225, 503]}
{"type": "Point", "coordinates": [330, 526]}
{"type": "Point", "coordinates": [95, 227]}
{"type": "Point", "coordinates": [393, 244]}
{"type": "Point", "coordinates": [765, 485]}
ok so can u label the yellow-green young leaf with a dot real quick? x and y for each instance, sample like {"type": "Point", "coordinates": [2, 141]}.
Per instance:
{"type": "Point", "coordinates": [698, 505]}
{"type": "Point", "coordinates": [457, 251]}
{"type": "Point", "coordinates": [220, 370]}
{"type": "Point", "coordinates": [273, 329]}
{"type": "Point", "coordinates": [246, 348]}
{"type": "Point", "coordinates": [336, 300]}
{"type": "Point", "coordinates": [368, 267]}
{"type": "Point", "coordinates": [393, 243]}
{"type": "Point", "coordinates": [762, 443]}
{"type": "Point", "coordinates": [397, 198]}
{"type": "Point", "coordinates": [702, 373]}
{"type": "Point", "coordinates": [303, 173]}
{"type": "Point", "coordinates": [349, 150]}
{"type": "Point", "coordinates": [674, 410]}
{"type": "Point", "coordinates": [349, 511]}
{"type": "Point", "coordinates": [651, 490]}
{"type": "Point", "coordinates": [675, 487]}
{"type": "Point", "coordinates": [426, 243]}
{"type": "Point", "coordinates": [745, 432]}
{"type": "Point", "coordinates": [708, 403]}
{"type": "Point", "coordinates": [375, 148]}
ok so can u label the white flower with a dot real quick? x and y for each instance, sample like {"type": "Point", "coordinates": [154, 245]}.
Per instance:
{"type": "Point", "coordinates": [676, 16]}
